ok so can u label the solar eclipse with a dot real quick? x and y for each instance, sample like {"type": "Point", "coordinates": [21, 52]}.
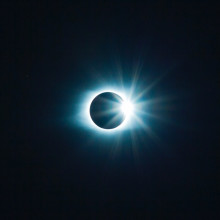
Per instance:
{"type": "Point", "coordinates": [115, 108]}
{"type": "Point", "coordinates": [108, 110]}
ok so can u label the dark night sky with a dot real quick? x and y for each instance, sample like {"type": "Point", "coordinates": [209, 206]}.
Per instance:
{"type": "Point", "coordinates": [53, 52]}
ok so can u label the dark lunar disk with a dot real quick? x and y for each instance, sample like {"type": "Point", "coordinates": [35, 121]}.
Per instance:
{"type": "Point", "coordinates": [105, 110]}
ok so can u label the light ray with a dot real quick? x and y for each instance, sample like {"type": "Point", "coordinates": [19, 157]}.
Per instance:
{"type": "Point", "coordinates": [148, 130]}
{"type": "Point", "coordinates": [151, 86]}
{"type": "Point", "coordinates": [113, 120]}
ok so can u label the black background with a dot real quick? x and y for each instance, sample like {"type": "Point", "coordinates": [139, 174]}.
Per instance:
{"type": "Point", "coordinates": [53, 52]}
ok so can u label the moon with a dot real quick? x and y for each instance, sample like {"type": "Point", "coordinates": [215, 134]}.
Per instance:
{"type": "Point", "coordinates": [106, 110]}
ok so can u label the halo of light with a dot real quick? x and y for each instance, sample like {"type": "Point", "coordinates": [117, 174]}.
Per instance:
{"type": "Point", "coordinates": [127, 108]}
{"type": "Point", "coordinates": [86, 119]}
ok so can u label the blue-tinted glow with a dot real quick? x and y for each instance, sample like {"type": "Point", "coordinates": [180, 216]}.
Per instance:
{"type": "Point", "coordinates": [85, 118]}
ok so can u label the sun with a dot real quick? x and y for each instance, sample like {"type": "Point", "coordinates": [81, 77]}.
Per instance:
{"type": "Point", "coordinates": [127, 108]}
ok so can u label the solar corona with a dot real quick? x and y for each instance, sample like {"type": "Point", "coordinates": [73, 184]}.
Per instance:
{"type": "Point", "coordinates": [108, 110]}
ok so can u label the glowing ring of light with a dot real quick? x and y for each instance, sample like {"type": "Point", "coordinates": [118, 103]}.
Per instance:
{"type": "Point", "coordinates": [86, 111]}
